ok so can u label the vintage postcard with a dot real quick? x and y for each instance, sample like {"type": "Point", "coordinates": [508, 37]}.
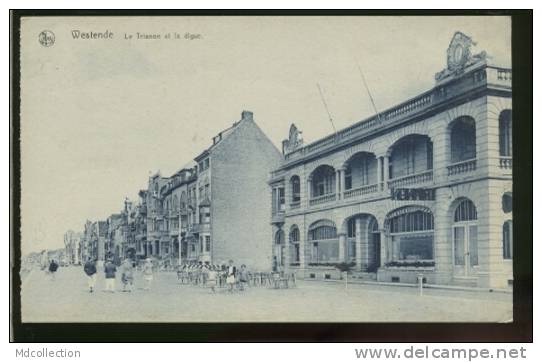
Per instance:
{"type": "Point", "coordinates": [266, 169]}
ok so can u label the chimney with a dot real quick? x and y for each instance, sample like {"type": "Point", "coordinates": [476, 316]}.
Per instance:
{"type": "Point", "coordinates": [247, 115]}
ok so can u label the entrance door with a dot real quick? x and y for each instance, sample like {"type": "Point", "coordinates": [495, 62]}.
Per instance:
{"type": "Point", "coordinates": [279, 254]}
{"type": "Point", "coordinates": [465, 249]}
{"type": "Point", "coordinates": [376, 251]}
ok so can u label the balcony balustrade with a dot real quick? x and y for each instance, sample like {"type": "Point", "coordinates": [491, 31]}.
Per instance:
{"type": "Point", "coordinates": [295, 205]}
{"type": "Point", "coordinates": [418, 178]}
{"type": "Point", "coordinates": [322, 199]}
{"type": "Point", "coordinates": [461, 167]}
{"type": "Point", "coordinates": [360, 191]}
{"type": "Point", "coordinates": [505, 163]}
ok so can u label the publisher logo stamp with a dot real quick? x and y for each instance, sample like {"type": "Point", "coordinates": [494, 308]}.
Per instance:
{"type": "Point", "coordinates": [46, 38]}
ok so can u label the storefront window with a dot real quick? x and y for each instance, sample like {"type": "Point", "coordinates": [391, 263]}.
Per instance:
{"type": "Point", "coordinates": [324, 245]}
{"type": "Point", "coordinates": [411, 233]}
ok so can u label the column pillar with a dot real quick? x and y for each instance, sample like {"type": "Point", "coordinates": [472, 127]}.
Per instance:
{"type": "Point", "coordinates": [358, 244]}
{"type": "Point", "coordinates": [308, 197]}
{"type": "Point", "coordinates": [343, 182]}
{"type": "Point", "coordinates": [379, 173]}
{"type": "Point", "coordinates": [338, 184]}
{"type": "Point", "coordinates": [383, 247]}
{"type": "Point", "coordinates": [386, 171]}
{"type": "Point", "coordinates": [342, 247]}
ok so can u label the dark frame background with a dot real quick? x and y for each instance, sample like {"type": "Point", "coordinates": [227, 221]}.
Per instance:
{"type": "Point", "coordinates": [521, 330]}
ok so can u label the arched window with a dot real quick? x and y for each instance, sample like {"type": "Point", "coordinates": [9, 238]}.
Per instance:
{"type": "Point", "coordinates": [411, 231]}
{"type": "Point", "coordinates": [294, 245]}
{"type": "Point", "coordinates": [323, 181]}
{"type": "Point", "coordinates": [463, 139]}
{"type": "Point", "coordinates": [175, 203]}
{"type": "Point", "coordinates": [507, 240]}
{"type": "Point", "coordinates": [296, 189]}
{"type": "Point", "coordinates": [410, 155]}
{"type": "Point", "coordinates": [324, 242]}
{"type": "Point", "coordinates": [279, 237]}
{"type": "Point", "coordinates": [361, 170]}
{"type": "Point", "coordinates": [323, 230]}
{"type": "Point", "coordinates": [505, 133]}
{"type": "Point", "coordinates": [294, 234]}
{"type": "Point", "coordinates": [465, 211]}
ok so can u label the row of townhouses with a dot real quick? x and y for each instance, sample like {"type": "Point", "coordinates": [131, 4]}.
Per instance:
{"type": "Point", "coordinates": [212, 210]}
{"type": "Point", "coordinates": [422, 189]}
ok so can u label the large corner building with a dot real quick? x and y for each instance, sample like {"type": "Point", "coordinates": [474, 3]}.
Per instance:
{"type": "Point", "coordinates": [422, 188]}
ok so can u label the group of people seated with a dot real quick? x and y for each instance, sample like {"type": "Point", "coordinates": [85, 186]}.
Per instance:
{"type": "Point", "coordinates": [214, 275]}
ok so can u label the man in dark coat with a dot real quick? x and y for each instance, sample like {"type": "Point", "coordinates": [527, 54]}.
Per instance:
{"type": "Point", "coordinates": [53, 266]}
{"type": "Point", "coordinates": [110, 270]}
{"type": "Point", "coordinates": [90, 271]}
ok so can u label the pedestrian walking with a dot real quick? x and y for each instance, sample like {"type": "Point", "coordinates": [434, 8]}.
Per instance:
{"type": "Point", "coordinates": [110, 274]}
{"type": "Point", "coordinates": [147, 273]}
{"type": "Point", "coordinates": [90, 271]}
{"type": "Point", "coordinates": [243, 277]}
{"type": "Point", "coordinates": [212, 276]}
{"type": "Point", "coordinates": [127, 277]}
{"type": "Point", "coordinates": [230, 279]}
{"type": "Point", "coordinates": [53, 266]}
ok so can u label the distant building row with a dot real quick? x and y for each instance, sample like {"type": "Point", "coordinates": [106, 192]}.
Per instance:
{"type": "Point", "coordinates": [213, 210]}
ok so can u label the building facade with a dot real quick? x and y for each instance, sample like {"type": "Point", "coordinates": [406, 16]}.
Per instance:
{"type": "Point", "coordinates": [424, 187]}
{"type": "Point", "coordinates": [72, 247]}
{"type": "Point", "coordinates": [209, 211]}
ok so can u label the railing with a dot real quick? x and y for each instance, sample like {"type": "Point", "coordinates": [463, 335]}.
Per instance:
{"type": "Point", "coordinates": [413, 105]}
{"type": "Point", "coordinates": [505, 162]}
{"type": "Point", "coordinates": [295, 205]}
{"type": "Point", "coordinates": [462, 167]}
{"type": "Point", "coordinates": [363, 190]}
{"type": "Point", "coordinates": [321, 199]}
{"type": "Point", "coordinates": [418, 178]}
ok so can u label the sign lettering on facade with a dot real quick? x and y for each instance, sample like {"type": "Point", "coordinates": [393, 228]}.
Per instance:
{"type": "Point", "coordinates": [404, 194]}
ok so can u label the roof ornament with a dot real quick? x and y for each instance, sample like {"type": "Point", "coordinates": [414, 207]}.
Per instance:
{"type": "Point", "coordinates": [294, 141]}
{"type": "Point", "coordinates": [460, 56]}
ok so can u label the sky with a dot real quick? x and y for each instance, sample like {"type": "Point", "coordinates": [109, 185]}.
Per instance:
{"type": "Point", "coordinates": [98, 116]}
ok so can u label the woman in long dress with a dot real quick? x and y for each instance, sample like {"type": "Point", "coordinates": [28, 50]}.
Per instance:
{"type": "Point", "coordinates": [147, 273]}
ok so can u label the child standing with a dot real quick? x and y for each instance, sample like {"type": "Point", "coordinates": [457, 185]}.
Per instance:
{"type": "Point", "coordinates": [127, 276]}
